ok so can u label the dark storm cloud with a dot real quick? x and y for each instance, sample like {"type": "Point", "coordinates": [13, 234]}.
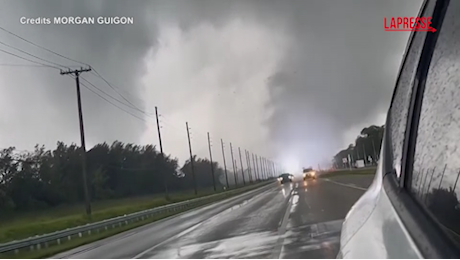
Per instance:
{"type": "Point", "coordinates": [116, 51]}
{"type": "Point", "coordinates": [337, 72]}
{"type": "Point", "coordinates": [340, 73]}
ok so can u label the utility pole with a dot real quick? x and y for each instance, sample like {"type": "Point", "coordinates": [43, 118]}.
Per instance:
{"type": "Point", "coordinates": [233, 163]}
{"type": "Point", "coordinates": [212, 165]}
{"type": "Point", "coordinates": [262, 160]}
{"type": "Point", "coordinates": [77, 73]}
{"type": "Point", "coordinates": [272, 168]}
{"type": "Point", "coordinates": [191, 158]}
{"type": "Point", "coordinates": [248, 163]}
{"type": "Point", "coordinates": [242, 169]}
{"type": "Point", "coordinates": [236, 168]}
{"type": "Point", "coordinates": [365, 155]}
{"type": "Point", "coordinates": [375, 153]}
{"type": "Point", "coordinates": [262, 165]}
{"type": "Point", "coordinates": [268, 168]}
{"type": "Point", "coordinates": [258, 167]}
{"type": "Point", "coordinates": [225, 164]}
{"type": "Point", "coordinates": [165, 176]}
{"type": "Point", "coordinates": [255, 167]}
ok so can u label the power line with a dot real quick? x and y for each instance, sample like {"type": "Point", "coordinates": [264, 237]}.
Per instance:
{"type": "Point", "coordinates": [110, 102]}
{"type": "Point", "coordinates": [60, 55]}
{"type": "Point", "coordinates": [115, 105]}
{"type": "Point", "coordinates": [129, 105]}
{"type": "Point", "coordinates": [15, 48]}
{"type": "Point", "coordinates": [26, 59]}
{"type": "Point", "coordinates": [119, 101]}
{"type": "Point", "coordinates": [54, 67]}
{"type": "Point", "coordinates": [116, 90]}
{"type": "Point", "coordinates": [22, 65]}
{"type": "Point", "coordinates": [49, 66]}
{"type": "Point", "coordinates": [41, 47]}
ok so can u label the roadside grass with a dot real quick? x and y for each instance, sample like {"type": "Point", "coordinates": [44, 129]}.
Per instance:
{"type": "Point", "coordinates": [366, 171]}
{"type": "Point", "coordinates": [54, 248]}
{"type": "Point", "coordinates": [20, 225]}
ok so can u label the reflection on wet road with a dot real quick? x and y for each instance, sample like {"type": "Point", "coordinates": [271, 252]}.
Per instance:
{"type": "Point", "coordinates": [297, 220]}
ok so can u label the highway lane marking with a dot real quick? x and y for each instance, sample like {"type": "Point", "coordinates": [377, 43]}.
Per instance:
{"type": "Point", "coordinates": [346, 185]}
{"type": "Point", "coordinates": [190, 229]}
{"type": "Point", "coordinates": [282, 229]}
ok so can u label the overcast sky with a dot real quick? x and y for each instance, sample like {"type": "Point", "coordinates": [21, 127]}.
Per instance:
{"type": "Point", "coordinates": [290, 80]}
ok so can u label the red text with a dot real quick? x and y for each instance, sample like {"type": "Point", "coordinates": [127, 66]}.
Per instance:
{"type": "Point", "coordinates": [408, 24]}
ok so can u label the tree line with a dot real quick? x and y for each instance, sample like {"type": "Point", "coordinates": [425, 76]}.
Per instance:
{"type": "Point", "coordinates": [48, 178]}
{"type": "Point", "coordinates": [366, 147]}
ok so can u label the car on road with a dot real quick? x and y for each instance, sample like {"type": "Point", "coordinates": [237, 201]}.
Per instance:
{"type": "Point", "coordinates": [285, 178]}
{"type": "Point", "coordinates": [309, 173]}
{"type": "Point", "coordinates": [411, 210]}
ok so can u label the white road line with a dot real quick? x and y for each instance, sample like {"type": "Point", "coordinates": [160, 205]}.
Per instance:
{"type": "Point", "coordinates": [201, 222]}
{"type": "Point", "coordinates": [190, 229]}
{"type": "Point", "coordinates": [281, 230]}
{"type": "Point", "coordinates": [346, 185]}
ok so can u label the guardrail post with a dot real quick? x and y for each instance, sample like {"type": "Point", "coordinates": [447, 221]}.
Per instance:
{"type": "Point", "coordinates": [69, 238]}
{"type": "Point", "coordinates": [16, 251]}
{"type": "Point", "coordinates": [58, 241]}
{"type": "Point", "coordinates": [79, 234]}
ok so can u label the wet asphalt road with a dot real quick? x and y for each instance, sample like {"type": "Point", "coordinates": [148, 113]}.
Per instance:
{"type": "Point", "coordinates": [298, 220]}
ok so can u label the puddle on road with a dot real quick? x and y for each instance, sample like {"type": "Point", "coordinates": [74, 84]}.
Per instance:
{"type": "Point", "coordinates": [295, 202]}
{"type": "Point", "coordinates": [253, 245]}
{"type": "Point", "coordinates": [320, 239]}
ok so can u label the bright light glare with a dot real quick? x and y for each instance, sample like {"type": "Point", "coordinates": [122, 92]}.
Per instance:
{"type": "Point", "coordinates": [291, 165]}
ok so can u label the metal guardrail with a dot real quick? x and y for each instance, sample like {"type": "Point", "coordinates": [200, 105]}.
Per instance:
{"type": "Point", "coordinates": [43, 241]}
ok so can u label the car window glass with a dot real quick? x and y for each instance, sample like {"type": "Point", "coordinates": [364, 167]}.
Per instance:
{"type": "Point", "coordinates": [437, 152]}
{"type": "Point", "coordinates": [400, 104]}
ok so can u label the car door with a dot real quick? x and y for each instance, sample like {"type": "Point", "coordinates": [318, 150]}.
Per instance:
{"type": "Point", "coordinates": [387, 221]}
{"type": "Point", "coordinates": [427, 197]}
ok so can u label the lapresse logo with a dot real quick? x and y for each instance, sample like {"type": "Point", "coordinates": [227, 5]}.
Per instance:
{"type": "Point", "coordinates": [405, 24]}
